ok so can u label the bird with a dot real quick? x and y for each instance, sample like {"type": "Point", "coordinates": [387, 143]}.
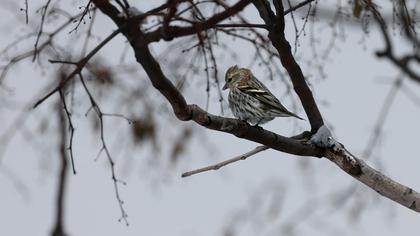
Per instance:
{"type": "Point", "coordinates": [250, 100]}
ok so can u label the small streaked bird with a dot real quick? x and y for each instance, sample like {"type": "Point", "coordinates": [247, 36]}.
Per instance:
{"type": "Point", "coordinates": [250, 100]}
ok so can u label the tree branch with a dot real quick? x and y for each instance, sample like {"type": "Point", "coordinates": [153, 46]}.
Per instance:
{"type": "Point", "coordinates": [105, 149]}
{"type": "Point", "coordinates": [262, 26]}
{"type": "Point", "coordinates": [71, 129]}
{"type": "Point", "coordinates": [294, 8]}
{"type": "Point", "coordinates": [377, 181]}
{"type": "Point", "coordinates": [226, 162]}
{"type": "Point", "coordinates": [44, 13]}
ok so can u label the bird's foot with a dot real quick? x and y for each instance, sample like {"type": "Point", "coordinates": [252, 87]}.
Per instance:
{"type": "Point", "coordinates": [257, 126]}
{"type": "Point", "coordinates": [303, 137]}
{"type": "Point", "coordinates": [226, 127]}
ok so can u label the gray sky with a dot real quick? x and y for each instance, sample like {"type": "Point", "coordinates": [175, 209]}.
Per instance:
{"type": "Point", "coordinates": [159, 202]}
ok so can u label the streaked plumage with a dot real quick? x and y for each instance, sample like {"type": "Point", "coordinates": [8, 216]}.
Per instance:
{"type": "Point", "coordinates": [250, 100]}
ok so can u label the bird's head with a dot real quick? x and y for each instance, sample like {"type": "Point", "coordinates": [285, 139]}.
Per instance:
{"type": "Point", "coordinates": [235, 76]}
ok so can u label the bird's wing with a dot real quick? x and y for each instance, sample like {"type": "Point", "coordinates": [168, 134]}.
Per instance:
{"type": "Point", "coordinates": [257, 90]}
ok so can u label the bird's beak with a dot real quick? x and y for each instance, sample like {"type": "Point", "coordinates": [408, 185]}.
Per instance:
{"type": "Point", "coordinates": [225, 87]}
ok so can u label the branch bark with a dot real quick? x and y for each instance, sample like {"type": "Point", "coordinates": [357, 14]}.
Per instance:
{"type": "Point", "coordinates": [377, 181]}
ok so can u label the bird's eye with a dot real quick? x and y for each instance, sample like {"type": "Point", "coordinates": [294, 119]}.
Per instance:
{"type": "Point", "coordinates": [229, 79]}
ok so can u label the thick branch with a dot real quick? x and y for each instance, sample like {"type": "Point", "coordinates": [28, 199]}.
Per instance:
{"type": "Point", "coordinates": [377, 181]}
{"type": "Point", "coordinates": [159, 81]}
{"type": "Point", "coordinates": [275, 27]}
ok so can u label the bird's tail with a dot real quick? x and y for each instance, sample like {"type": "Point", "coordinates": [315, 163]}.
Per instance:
{"type": "Point", "coordinates": [286, 113]}
{"type": "Point", "coordinates": [294, 115]}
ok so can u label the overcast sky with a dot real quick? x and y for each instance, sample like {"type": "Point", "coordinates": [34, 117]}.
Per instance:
{"type": "Point", "coordinates": [268, 194]}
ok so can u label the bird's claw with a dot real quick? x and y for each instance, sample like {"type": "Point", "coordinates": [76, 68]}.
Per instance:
{"type": "Point", "coordinates": [258, 127]}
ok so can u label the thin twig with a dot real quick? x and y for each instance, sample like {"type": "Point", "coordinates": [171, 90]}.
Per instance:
{"type": "Point", "coordinates": [82, 18]}
{"type": "Point", "coordinates": [295, 28]}
{"type": "Point", "coordinates": [382, 116]}
{"type": "Point", "coordinates": [413, 96]}
{"type": "Point", "coordinates": [227, 162]}
{"type": "Point", "coordinates": [104, 148]}
{"type": "Point", "coordinates": [41, 27]}
{"type": "Point", "coordinates": [26, 12]}
{"type": "Point", "coordinates": [61, 188]}
{"type": "Point", "coordinates": [129, 120]}
{"type": "Point", "coordinates": [297, 6]}
{"type": "Point", "coordinates": [262, 26]}
{"type": "Point", "coordinates": [71, 129]}
{"type": "Point", "coordinates": [215, 72]}
{"type": "Point", "coordinates": [88, 34]}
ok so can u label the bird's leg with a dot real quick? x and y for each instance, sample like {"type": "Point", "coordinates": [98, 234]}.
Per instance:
{"type": "Point", "coordinates": [226, 126]}
{"type": "Point", "coordinates": [257, 126]}
{"type": "Point", "coordinates": [303, 137]}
